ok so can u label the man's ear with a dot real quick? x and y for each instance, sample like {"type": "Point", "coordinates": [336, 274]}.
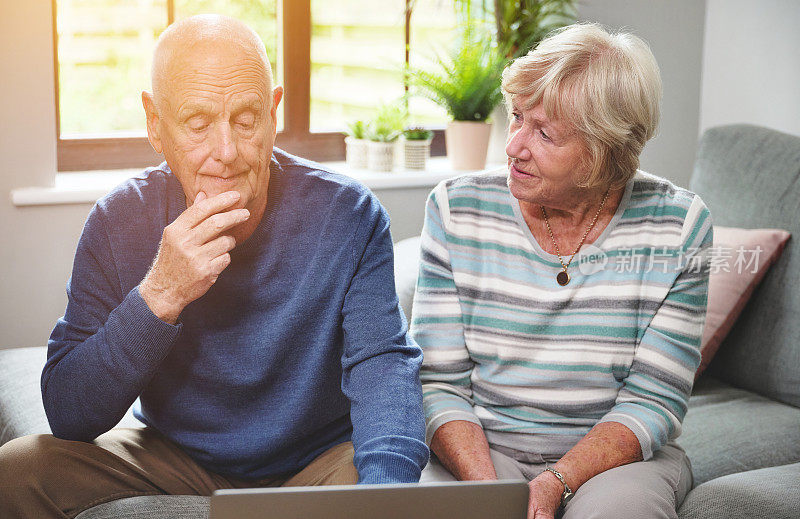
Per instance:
{"type": "Point", "coordinates": [153, 119]}
{"type": "Point", "coordinates": [277, 95]}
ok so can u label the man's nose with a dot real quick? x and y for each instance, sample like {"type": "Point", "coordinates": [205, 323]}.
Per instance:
{"type": "Point", "coordinates": [516, 145]}
{"type": "Point", "coordinates": [224, 146]}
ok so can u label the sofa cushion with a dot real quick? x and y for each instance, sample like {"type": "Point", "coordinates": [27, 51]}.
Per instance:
{"type": "Point", "coordinates": [21, 408]}
{"type": "Point", "coordinates": [730, 430]}
{"type": "Point", "coordinates": [750, 177]}
{"type": "Point", "coordinates": [745, 256]}
{"type": "Point", "coordinates": [406, 269]}
{"type": "Point", "coordinates": [147, 507]}
{"type": "Point", "coordinates": [770, 492]}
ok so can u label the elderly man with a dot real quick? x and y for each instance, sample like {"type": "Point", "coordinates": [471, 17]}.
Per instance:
{"type": "Point", "coordinates": [245, 296]}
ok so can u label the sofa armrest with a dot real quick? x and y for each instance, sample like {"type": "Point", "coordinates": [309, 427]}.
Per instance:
{"type": "Point", "coordinates": [21, 409]}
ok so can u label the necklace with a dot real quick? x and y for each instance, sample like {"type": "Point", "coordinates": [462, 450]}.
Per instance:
{"type": "Point", "coordinates": [563, 277]}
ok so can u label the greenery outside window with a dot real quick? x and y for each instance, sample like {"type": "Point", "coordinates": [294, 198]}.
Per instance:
{"type": "Point", "coordinates": [337, 60]}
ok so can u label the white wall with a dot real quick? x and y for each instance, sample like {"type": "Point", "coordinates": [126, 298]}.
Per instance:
{"type": "Point", "coordinates": [751, 64]}
{"type": "Point", "coordinates": [37, 243]}
{"type": "Point", "coordinates": [674, 31]}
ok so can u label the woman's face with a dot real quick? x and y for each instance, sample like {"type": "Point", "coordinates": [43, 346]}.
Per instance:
{"type": "Point", "coordinates": [545, 157]}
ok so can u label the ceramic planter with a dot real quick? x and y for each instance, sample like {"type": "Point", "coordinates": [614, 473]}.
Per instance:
{"type": "Point", "coordinates": [380, 156]}
{"type": "Point", "coordinates": [467, 143]}
{"type": "Point", "coordinates": [356, 152]}
{"type": "Point", "coordinates": [416, 153]}
{"type": "Point", "coordinates": [498, 136]}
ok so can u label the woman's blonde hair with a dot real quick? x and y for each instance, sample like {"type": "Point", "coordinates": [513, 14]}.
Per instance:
{"type": "Point", "coordinates": [607, 86]}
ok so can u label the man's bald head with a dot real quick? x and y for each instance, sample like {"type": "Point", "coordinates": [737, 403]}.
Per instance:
{"type": "Point", "coordinates": [213, 111]}
{"type": "Point", "coordinates": [195, 35]}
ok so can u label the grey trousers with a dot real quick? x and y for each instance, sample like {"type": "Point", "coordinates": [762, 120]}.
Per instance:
{"type": "Point", "coordinates": [650, 489]}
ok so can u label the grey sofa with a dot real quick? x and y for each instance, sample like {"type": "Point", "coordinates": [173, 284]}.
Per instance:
{"type": "Point", "coordinates": [742, 431]}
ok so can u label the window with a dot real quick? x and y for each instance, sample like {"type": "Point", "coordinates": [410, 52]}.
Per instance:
{"type": "Point", "coordinates": [358, 54]}
{"type": "Point", "coordinates": [337, 60]}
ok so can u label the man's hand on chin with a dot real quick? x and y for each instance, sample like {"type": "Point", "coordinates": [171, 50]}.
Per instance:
{"type": "Point", "coordinates": [192, 254]}
{"type": "Point", "coordinates": [545, 496]}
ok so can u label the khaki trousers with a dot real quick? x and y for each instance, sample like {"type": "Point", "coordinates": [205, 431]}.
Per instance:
{"type": "Point", "coordinates": [42, 476]}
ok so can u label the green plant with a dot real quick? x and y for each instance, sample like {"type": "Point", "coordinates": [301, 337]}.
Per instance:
{"type": "Point", "coordinates": [522, 24]}
{"type": "Point", "coordinates": [417, 134]}
{"type": "Point", "coordinates": [357, 129]}
{"type": "Point", "coordinates": [519, 25]}
{"type": "Point", "coordinates": [467, 82]}
{"type": "Point", "coordinates": [388, 123]}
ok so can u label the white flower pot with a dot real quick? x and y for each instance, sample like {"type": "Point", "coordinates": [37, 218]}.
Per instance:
{"type": "Point", "coordinates": [380, 156]}
{"type": "Point", "coordinates": [467, 143]}
{"type": "Point", "coordinates": [499, 133]}
{"type": "Point", "coordinates": [416, 153]}
{"type": "Point", "coordinates": [356, 152]}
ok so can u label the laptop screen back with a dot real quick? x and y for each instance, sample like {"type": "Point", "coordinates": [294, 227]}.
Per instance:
{"type": "Point", "coordinates": [462, 500]}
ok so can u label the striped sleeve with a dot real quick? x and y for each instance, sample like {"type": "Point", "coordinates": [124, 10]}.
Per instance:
{"type": "Point", "coordinates": [437, 326]}
{"type": "Point", "coordinates": [655, 394]}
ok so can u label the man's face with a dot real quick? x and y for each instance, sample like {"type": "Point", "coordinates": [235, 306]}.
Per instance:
{"type": "Point", "coordinates": [216, 125]}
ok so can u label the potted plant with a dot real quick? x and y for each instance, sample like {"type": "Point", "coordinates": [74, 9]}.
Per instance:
{"type": "Point", "coordinates": [356, 145]}
{"type": "Point", "coordinates": [467, 85]}
{"type": "Point", "coordinates": [382, 133]}
{"type": "Point", "coordinates": [519, 25]}
{"type": "Point", "coordinates": [416, 147]}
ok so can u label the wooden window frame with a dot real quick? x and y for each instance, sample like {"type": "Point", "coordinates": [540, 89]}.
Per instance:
{"type": "Point", "coordinates": [78, 154]}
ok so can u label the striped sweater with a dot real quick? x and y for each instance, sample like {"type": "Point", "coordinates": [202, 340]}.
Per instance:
{"type": "Point", "coordinates": [537, 365]}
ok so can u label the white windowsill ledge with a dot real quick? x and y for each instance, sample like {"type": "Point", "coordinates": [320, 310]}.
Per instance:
{"type": "Point", "coordinates": [86, 187]}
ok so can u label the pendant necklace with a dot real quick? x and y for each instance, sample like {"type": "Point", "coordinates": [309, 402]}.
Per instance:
{"type": "Point", "coordinates": [563, 277]}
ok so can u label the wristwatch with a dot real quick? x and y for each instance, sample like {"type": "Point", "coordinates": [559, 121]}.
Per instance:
{"type": "Point", "coordinates": [567, 495]}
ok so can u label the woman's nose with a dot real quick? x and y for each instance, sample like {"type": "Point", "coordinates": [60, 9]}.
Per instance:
{"type": "Point", "coordinates": [516, 144]}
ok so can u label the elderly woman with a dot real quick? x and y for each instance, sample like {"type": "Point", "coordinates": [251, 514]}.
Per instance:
{"type": "Point", "coordinates": [560, 302]}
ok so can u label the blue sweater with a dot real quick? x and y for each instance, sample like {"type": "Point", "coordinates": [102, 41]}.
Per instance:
{"type": "Point", "coordinates": [300, 344]}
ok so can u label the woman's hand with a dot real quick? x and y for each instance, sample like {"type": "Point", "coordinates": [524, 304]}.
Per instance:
{"type": "Point", "coordinates": [545, 496]}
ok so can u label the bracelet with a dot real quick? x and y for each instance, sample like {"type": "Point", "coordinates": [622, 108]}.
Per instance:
{"type": "Point", "coordinates": [567, 495]}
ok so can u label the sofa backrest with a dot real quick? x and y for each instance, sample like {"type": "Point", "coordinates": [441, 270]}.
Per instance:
{"type": "Point", "coordinates": [749, 177]}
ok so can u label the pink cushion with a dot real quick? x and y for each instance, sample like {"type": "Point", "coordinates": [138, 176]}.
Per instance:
{"type": "Point", "coordinates": [740, 259]}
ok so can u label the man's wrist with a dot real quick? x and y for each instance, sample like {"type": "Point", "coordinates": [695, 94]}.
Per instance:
{"type": "Point", "coordinates": [160, 302]}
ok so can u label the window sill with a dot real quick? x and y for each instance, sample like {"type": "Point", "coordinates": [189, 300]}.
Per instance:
{"type": "Point", "coordinates": [86, 187]}
{"type": "Point", "coordinates": [82, 187]}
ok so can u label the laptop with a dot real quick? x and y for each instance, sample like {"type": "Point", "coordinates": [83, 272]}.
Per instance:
{"type": "Point", "coordinates": [462, 500]}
